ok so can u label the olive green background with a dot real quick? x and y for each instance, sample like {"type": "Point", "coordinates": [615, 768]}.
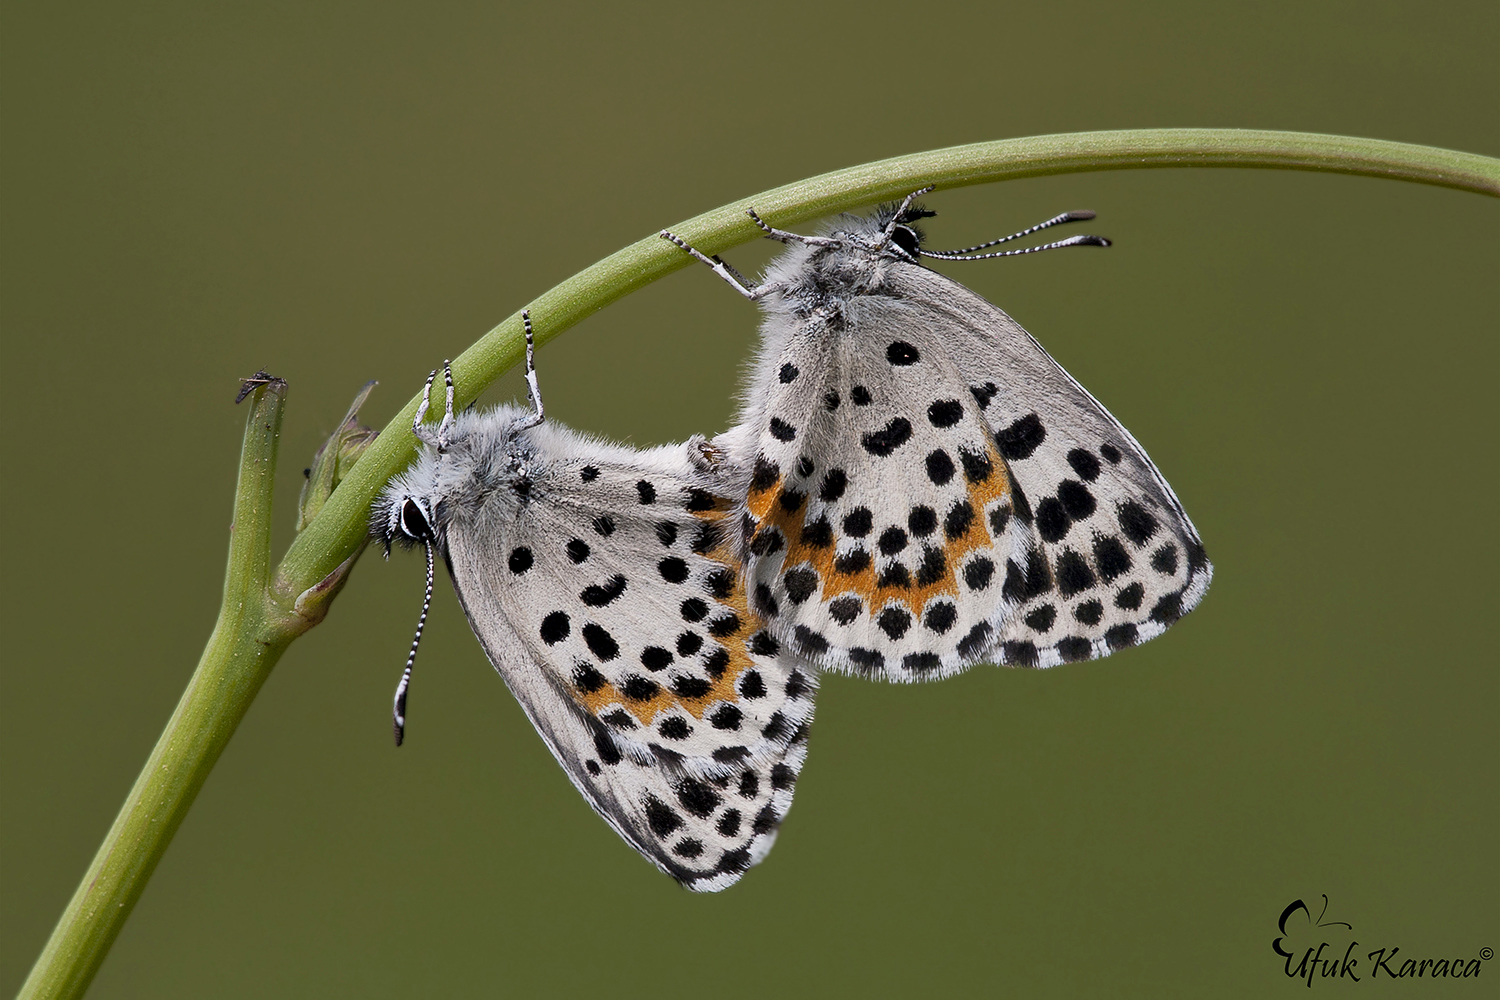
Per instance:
{"type": "Point", "coordinates": [340, 192]}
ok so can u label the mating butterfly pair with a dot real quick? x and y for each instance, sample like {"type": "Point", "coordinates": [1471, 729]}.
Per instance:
{"type": "Point", "coordinates": [914, 486]}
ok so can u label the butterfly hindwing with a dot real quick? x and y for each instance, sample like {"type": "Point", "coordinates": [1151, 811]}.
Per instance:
{"type": "Point", "coordinates": [703, 831]}
{"type": "Point", "coordinates": [878, 509]}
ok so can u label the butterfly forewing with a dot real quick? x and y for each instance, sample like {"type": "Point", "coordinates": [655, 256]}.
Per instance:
{"type": "Point", "coordinates": [1116, 560]}
{"type": "Point", "coordinates": [879, 514]}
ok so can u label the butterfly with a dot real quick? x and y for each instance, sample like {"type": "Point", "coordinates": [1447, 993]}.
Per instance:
{"type": "Point", "coordinates": [924, 487]}
{"type": "Point", "coordinates": [604, 588]}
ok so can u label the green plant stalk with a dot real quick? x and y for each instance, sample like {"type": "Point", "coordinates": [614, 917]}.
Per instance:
{"type": "Point", "coordinates": [240, 653]}
{"type": "Point", "coordinates": [261, 617]}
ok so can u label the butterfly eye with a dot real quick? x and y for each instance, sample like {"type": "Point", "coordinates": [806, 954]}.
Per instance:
{"type": "Point", "coordinates": [907, 239]}
{"type": "Point", "coordinates": [414, 523]}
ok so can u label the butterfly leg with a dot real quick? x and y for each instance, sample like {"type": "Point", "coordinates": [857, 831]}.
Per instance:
{"type": "Point", "coordinates": [720, 267]}
{"type": "Point", "coordinates": [531, 386]}
{"type": "Point", "coordinates": [447, 424]}
{"type": "Point", "coordinates": [438, 440]}
{"type": "Point", "coordinates": [782, 236]}
{"type": "Point", "coordinates": [423, 434]}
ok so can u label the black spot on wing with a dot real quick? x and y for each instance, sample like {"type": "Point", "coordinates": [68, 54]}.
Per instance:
{"type": "Point", "coordinates": [853, 561]}
{"type": "Point", "coordinates": [655, 658]}
{"type": "Point", "coordinates": [977, 466]}
{"type": "Point", "coordinates": [818, 534]}
{"type": "Point", "coordinates": [765, 475]}
{"type": "Point", "coordinates": [1121, 636]}
{"type": "Point", "coordinates": [1084, 464]}
{"type": "Point", "coordinates": [940, 467]}
{"type": "Point", "coordinates": [845, 609]}
{"type": "Point", "coordinates": [660, 817]}
{"type": "Point", "coordinates": [1089, 612]}
{"type": "Point", "coordinates": [1021, 438]}
{"type": "Point", "coordinates": [1022, 584]}
{"type": "Point", "coordinates": [894, 622]}
{"type": "Point", "coordinates": [1073, 574]}
{"type": "Point", "coordinates": [810, 642]}
{"type": "Point", "coordinates": [1111, 558]}
{"type": "Point", "coordinates": [973, 643]}
{"type": "Point", "coordinates": [1020, 652]}
{"type": "Point", "coordinates": [800, 584]}
{"type": "Point", "coordinates": [1137, 522]}
{"type": "Point", "coordinates": [893, 435]}
{"type": "Point", "coordinates": [598, 595]}
{"type": "Point", "coordinates": [555, 628]}
{"type": "Point", "coordinates": [901, 353]}
{"type": "Point", "coordinates": [1164, 560]}
{"type": "Point", "coordinates": [1041, 619]}
{"type": "Point", "coordinates": [586, 678]}
{"type": "Point", "coordinates": [1052, 520]}
{"type": "Point", "coordinates": [945, 412]}
{"type": "Point", "coordinates": [1076, 499]}
{"type": "Point", "coordinates": [858, 522]}
{"type": "Point", "coordinates": [940, 617]}
{"type": "Point", "coordinates": [638, 688]}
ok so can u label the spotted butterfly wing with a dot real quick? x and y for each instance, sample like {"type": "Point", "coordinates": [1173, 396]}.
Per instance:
{"type": "Point", "coordinates": [599, 583]}
{"type": "Point", "coordinates": [702, 831]}
{"type": "Point", "coordinates": [1111, 557]}
{"type": "Point", "coordinates": [927, 489]}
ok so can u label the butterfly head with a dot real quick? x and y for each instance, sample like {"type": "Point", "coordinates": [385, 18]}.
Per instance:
{"type": "Point", "coordinates": [895, 229]}
{"type": "Point", "coordinates": [890, 231]}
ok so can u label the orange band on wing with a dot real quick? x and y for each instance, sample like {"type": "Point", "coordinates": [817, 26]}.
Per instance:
{"type": "Point", "coordinates": [769, 512]}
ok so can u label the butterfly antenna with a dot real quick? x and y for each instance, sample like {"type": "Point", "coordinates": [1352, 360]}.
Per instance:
{"type": "Point", "coordinates": [399, 708]}
{"type": "Point", "coordinates": [1056, 220]}
{"type": "Point", "coordinates": [531, 387]}
{"type": "Point", "coordinates": [1072, 241]}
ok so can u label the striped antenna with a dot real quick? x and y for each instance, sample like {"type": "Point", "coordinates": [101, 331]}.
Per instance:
{"type": "Point", "coordinates": [399, 709]}
{"type": "Point", "coordinates": [1072, 241]}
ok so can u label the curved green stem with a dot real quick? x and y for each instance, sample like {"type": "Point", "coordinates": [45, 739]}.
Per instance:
{"type": "Point", "coordinates": [341, 524]}
{"type": "Point", "coordinates": [261, 617]}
